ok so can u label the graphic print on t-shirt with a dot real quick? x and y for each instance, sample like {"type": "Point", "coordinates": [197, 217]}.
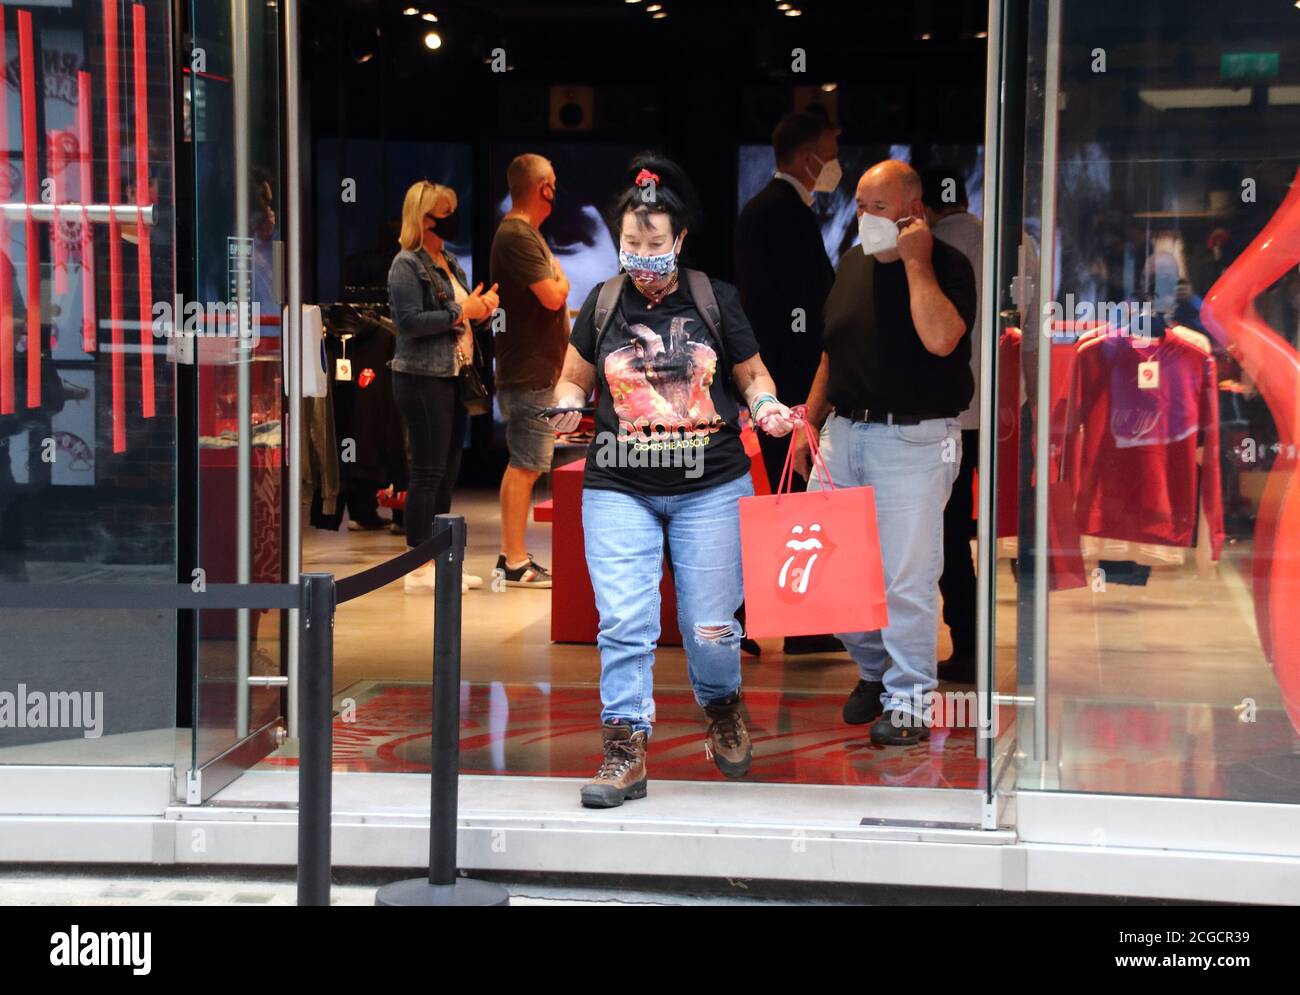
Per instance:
{"type": "Point", "coordinates": [660, 389]}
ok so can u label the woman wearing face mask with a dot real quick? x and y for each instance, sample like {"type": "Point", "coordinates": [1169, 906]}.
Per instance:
{"type": "Point", "coordinates": [434, 314]}
{"type": "Point", "coordinates": [671, 358]}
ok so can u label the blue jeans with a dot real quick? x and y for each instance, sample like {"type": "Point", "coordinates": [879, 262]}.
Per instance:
{"type": "Point", "coordinates": [625, 536]}
{"type": "Point", "coordinates": [912, 468]}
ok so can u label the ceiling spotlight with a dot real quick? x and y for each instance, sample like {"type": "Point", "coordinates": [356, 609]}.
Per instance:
{"type": "Point", "coordinates": [655, 8]}
{"type": "Point", "coordinates": [433, 41]}
{"type": "Point", "coordinates": [926, 36]}
{"type": "Point", "coordinates": [659, 15]}
{"type": "Point", "coordinates": [985, 34]}
{"type": "Point", "coordinates": [794, 12]}
{"type": "Point", "coordinates": [830, 87]}
{"type": "Point", "coordinates": [631, 1]}
{"type": "Point", "coordinates": [784, 6]}
{"type": "Point", "coordinates": [429, 16]}
{"type": "Point", "coordinates": [410, 11]}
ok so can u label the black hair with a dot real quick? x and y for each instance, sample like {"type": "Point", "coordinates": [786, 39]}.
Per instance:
{"type": "Point", "coordinates": [670, 192]}
{"type": "Point", "coordinates": [933, 179]}
{"type": "Point", "coordinates": [798, 130]}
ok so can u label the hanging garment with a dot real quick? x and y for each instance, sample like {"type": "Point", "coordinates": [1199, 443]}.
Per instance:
{"type": "Point", "coordinates": [1015, 421]}
{"type": "Point", "coordinates": [320, 468]}
{"type": "Point", "coordinates": [367, 421]}
{"type": "Point", "coordinates": [1139, 411]}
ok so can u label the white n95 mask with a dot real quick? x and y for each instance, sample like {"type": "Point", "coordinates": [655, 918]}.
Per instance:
{"type": "Point", "coordinates": [877, 234]}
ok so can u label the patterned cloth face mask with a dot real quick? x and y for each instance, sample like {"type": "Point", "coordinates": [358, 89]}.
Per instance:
{"type": "Point", "coordinates": [648, 269]}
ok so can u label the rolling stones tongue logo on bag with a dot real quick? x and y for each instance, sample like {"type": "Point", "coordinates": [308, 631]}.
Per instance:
{"type": "Point", "coordinates": [807, 545]}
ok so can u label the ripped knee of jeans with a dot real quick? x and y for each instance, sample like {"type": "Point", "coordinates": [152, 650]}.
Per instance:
{"type": "Point", "coordinates": [716, 634]}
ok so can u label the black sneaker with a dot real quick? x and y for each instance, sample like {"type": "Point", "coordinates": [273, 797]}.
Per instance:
{"type": "Point", "coordinates": [863, 704]}
{"type": "Point", "coordinates": [898, 728]}
{"type": "Point", "coordinates": [531, 574]}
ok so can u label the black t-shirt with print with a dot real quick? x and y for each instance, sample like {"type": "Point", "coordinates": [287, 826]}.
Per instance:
{"type": "Point", "coordinates": [667, 415]}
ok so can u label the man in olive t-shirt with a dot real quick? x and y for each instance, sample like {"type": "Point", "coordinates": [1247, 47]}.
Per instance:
{"type": "Point", "coordinates": [529, 346]}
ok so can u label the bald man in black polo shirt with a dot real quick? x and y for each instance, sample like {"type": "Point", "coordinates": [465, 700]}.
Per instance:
{"type": "Point", "coordinates": [894, 376]}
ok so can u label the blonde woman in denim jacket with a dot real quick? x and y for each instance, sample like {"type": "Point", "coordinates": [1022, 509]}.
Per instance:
{"type": "Point", "coordinates": [434, 313]}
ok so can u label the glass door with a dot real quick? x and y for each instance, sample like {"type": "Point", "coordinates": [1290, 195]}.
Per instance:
{"type": "Point", "coordinates": [1007, 621]}
{"type": "Point", "coordinates": [1149, 362]}
{"type": "Point", "coordinates": [232, 131]}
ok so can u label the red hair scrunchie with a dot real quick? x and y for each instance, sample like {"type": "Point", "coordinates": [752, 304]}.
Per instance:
{"type": "Point", "coordinates": [644, 176]}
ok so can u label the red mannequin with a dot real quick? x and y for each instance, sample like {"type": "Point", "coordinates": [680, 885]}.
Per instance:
{"type": "Point", "coordinates": [1229, 314]}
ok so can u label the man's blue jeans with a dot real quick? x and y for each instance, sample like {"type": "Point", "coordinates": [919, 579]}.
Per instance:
{"type": "Point", "coordinates": [912, 468]}
{"type": "Point", "coordinates": [625, 536]}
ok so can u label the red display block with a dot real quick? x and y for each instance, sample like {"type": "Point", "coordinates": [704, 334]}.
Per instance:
{"type": "Point", "coordinates": [573, 603]}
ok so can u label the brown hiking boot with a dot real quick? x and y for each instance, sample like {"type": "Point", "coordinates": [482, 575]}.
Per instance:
{"type": "Point", "coordinates": [622, 774]}
{"type": "Point", "coordinates": [727, 744]}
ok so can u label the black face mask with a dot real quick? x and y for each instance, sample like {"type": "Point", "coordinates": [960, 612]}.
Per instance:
{"type": "Point", "coordinates": [447, 228]}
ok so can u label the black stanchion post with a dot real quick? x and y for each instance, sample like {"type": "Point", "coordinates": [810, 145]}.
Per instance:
{"type": "Point", "coordinates": [315, 748]}
{"type": "Point", "coordinates": [446, 715]}
{"type": "Point", "coordinates": [443, 886]}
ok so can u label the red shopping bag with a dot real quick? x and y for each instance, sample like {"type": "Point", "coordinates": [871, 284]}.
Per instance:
{"type": "Point", "coordinates": [811, 561]}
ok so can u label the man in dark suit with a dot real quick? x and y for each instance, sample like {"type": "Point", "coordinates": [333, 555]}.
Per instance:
{"type": "Point", "coordinates": [783, 275]}
{"type": "Point", "coordinates": [782, 271]}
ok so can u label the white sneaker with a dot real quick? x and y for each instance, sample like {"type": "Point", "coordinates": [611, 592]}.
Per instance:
{"type": "Point", "coordinates": [420, 581]}
{"type": "Point", "coordinates": [425, 581]}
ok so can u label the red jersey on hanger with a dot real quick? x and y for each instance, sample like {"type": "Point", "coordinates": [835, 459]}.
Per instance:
{"type": "Point", "coordinates": [1139, 409]}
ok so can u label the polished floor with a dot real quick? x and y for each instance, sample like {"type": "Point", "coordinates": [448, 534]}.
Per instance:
{"type": "Point", "coordinates": [798, 737]}
{"type": "Point", "coordinates": [1159, 689]}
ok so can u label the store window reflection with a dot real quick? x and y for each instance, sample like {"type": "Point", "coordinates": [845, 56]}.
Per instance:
{"type": "Point", "coordinates": [87, 392]}
{"type": "Point", "coordinates": [1173, 663]}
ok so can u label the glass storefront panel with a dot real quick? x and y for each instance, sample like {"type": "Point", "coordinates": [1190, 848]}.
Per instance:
{"type": "Point", "coordinates": [87, 391]}
{"type": "Point", "coordinates": [234, 139]}
{"type": "Point", "coordinates": [1155, 535]}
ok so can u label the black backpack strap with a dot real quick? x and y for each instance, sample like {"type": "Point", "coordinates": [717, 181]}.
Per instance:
{"type": "Point", "coordinates": [606, 305]}
{"type": "Point", "coordinates": [706, 302]}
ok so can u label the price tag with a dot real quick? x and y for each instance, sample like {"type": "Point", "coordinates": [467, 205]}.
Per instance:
{"type": "Point", "coordinates": [1149, 374]}
{"type": "Point", "coordinates": [342, 369]}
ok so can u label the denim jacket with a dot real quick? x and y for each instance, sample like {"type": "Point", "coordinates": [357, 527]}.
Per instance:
{"type": "Point", "coordinates": [425, 312]}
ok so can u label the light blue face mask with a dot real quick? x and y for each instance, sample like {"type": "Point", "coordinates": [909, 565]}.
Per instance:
{"type": "Point", "coordinates": [648, 269]}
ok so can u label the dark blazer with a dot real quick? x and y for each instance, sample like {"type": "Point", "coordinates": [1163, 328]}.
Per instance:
{"type": "Point", "coordinates": [781, 264]}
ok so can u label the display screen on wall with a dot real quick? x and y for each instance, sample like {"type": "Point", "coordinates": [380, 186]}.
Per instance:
{"type": "Point", "coordinates": [588, 178]}
{"type": "Point", "coordinates": [357, 225]}
{"type": "Point", "coordinates": [837, 211]}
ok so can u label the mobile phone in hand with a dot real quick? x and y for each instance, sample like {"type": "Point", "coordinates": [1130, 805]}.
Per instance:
{"type": "Point", "coordinates": [555, 412]}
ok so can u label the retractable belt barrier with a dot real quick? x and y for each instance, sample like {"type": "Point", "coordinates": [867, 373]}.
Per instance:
{"type": "Point", "coordinates": [316, 598]}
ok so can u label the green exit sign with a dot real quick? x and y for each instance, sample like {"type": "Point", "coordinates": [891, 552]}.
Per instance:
{"type": "Point", "coordinates": [1248, 65]}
